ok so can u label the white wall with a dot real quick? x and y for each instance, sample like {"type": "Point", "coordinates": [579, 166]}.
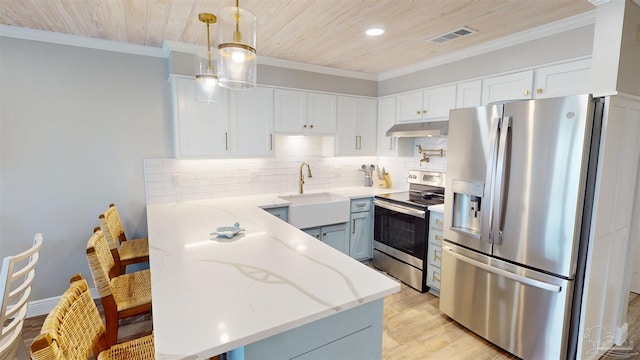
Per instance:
{"type": "Point", "coordinates": [75, 127]}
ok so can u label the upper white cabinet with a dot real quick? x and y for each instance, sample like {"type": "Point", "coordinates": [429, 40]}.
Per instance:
{"type": "Point", "coordinates": [563, 79]}
{"type": "Point", "coordinates": [469, 94]}
{"type": "Point", "coordinates": [251, 122]}
{"type": "Point", "coordinates": [507, 87]}
{"type": "Point", "coordinates": [301, 112]}
{"type": "Point", "coordinates": [356, 126]}
{"type": "Point", "coordinates": [431, 103]}
{"type": "Point", "coordinates": [200, 129]}
{"type": "Point", "coordinates": [387, 145]}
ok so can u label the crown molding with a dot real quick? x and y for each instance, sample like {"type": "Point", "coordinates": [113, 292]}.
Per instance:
{"type": "Point", "coordinates": [168, 46]}
{"type": "Point", "coordinates": [80, 41]}
{"type": "Point", "coordinates": [556, 27]}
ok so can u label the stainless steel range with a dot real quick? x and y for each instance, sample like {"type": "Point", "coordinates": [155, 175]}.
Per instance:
{"type": "Point", "coordinates": [402, 225]}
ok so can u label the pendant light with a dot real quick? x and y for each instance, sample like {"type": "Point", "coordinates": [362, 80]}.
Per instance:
{"type": "Point", "coordinates": [237, 62]}
{"type": "Point", "coordinates": [206, 75]}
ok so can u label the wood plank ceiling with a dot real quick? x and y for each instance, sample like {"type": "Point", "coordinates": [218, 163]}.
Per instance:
{"type": "Point", "coordinates": [321, 32]}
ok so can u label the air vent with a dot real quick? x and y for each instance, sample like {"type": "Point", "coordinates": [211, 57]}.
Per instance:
{"type": "Point", "coordinates": [452, 35]}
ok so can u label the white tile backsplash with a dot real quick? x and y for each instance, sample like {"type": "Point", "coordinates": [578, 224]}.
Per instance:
{"type": "Point", "coordinates": [169, 180]}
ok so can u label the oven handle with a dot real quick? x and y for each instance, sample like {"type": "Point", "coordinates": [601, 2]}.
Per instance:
{"type": "Point", "coordinates": [401, 209]}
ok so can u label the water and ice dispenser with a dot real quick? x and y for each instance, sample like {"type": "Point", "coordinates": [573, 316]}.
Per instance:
{"type": "Point", "coordinates": [467, 206]}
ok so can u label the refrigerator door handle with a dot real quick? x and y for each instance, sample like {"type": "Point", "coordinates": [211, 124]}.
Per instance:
{"type": "Point", "coordinates": [515, 277]}
{"type": "Point", "coordinates": [499, 176]}
{"type": "Point", "coordinates": [488, 219]}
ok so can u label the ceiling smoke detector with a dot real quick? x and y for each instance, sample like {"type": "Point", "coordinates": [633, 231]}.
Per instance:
{"type": "Point", "coordinates": [452, 35]}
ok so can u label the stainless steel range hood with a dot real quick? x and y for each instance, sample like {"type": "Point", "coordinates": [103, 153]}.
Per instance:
{"type": "Point", "coordinates": [421, 129]}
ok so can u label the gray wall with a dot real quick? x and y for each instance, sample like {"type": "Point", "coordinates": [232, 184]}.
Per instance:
{"type": "Point", "coordinates": [566, 45]}
{"type": "Point", "coordinates": [75, 125]}
{"type": "Point", "coordinates": [184, 64]}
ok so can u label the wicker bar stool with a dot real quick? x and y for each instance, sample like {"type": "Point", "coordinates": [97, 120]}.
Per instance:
{"type": "Point", "coordinates": [123, 295]}
{"type": "Point", "coordinates": [73, 330]}
{"type": "Point", "coordinates": [16, 276]}
{"type": "Point", "coordinates": [125, 252]}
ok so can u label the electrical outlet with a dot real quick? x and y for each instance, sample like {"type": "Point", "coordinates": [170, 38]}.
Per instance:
{"type": "Point", "coordinates": [175, 179]}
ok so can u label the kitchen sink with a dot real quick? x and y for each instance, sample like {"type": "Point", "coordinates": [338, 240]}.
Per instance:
{"type": "Point", "coordinates": [317, 209]}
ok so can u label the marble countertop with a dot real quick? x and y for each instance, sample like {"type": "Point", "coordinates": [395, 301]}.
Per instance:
{"type": "Point", "coordinates": [437, 208]}
{"type": "Point", "coordinates": [212, 295]}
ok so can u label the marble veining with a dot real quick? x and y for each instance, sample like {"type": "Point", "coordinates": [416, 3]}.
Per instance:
{"type": "Point", "coordinates": [211, 295]}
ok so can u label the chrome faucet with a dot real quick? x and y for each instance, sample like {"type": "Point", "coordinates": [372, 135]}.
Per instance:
{"type": "Point", "coordinates": [301, 179]}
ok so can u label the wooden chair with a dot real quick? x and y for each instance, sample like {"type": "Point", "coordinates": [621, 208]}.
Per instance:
{"type": "Point", "coordinates": [125, 252]}
{"type": "Point", "coordinates": [16, 276]}
{"type": "Point", "coordinates": [122, 295]}
{"type": "Point", "coordinates": [73, 330]}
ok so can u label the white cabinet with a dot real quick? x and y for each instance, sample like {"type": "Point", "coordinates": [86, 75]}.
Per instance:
{"type": "Point", "coordinates": [361, 235]}
{"type": "Point", "coordinates": [469, 94]}
{"type": "Point", "coordinates": [332, 235]}
{"type": "Point", "coordinates": [507, 87]}
{"type": "Point", "coordinates": [562, 79]}
{"type": "Point", "coordinates": [387, 145]}
{"type": "Point", "coordinates": [301, 112]}
{"type": "Point", "coordinates": [199, 129]}
{"type": "Point", "coordinates": [434, 251]}
{"type": "Point", "coordinates": [429, 104]}
{"type": "Point", "coordinates": [251, 122]}
{"type": "Point", "coordinates": [356, 126]}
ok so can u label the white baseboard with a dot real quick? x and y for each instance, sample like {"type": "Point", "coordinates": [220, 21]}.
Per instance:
{"type": "Point", "coordinates": [44, 306]}
{"type": "Point", "coordinates": [621, 334]}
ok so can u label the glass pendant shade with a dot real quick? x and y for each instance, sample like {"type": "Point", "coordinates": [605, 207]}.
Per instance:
{"type": "Point", "coordinates": [237, 61]}
{"type": "Point", "coordinates": [206, 78]}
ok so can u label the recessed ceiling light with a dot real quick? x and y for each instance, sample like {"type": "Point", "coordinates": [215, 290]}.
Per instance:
{"type": "Point", "coordinates": [374, 32]}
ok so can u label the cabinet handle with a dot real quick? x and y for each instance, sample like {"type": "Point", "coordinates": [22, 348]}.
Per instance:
{"type": "Point", "coordinates": [356, 145]}
{"type": "Point", "coordinates": [418, 112]}
{"type": "Point", "coordinates": [436, 256]}
{"type": "Point", "coordinates": [360, 205]}
{"type": "Point", "coordinates": [270, 141]}
{"type": "Point", "coordinates": [226, 141]}
{"type": "Point", "coordinates": [435, 278]}
{"type": "Point", "coordinates": [438, 238]}
{"type": "Point", "coordinates": [353, 227]}
{"type": "Point", "coordinates": [318, 236]}
{"type": "Point", "coordinates": [539, 91]}
{"type": "Point", "coordinates": [424, 111]}
{"type": "Point", "coordinates": [439, 222]}
{"type": "Point", "coordinates": [526, 92]}
{"type": "Point", "coordinates": [304, 126]}
{"type": "Point", "coordinates": [324, 234]}
{"type": "Point", "coordinates": [311, 126]}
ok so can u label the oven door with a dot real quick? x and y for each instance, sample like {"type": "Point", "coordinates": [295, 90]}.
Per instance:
{"type": "Point", "coordinates": [402, 229]}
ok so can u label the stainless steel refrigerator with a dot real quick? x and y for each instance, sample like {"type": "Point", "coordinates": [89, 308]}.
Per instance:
{"type": "Point", "coordinates": [519, 192]}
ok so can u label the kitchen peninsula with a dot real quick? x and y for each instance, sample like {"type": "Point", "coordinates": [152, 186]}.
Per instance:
{"type": "Point", "coordinates": [271, 289]}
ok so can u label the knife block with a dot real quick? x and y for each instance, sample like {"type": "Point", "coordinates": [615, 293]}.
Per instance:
{"type": "Point", "coordinates": [384, 183]}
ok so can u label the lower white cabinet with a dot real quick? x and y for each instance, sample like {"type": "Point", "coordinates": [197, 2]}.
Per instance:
{"type": "Point", "coordinates": [434, 251]}
{"type": "Point", "coordinates": [361, 234]}
{"type": "Point", "coordinates": [333, 235]}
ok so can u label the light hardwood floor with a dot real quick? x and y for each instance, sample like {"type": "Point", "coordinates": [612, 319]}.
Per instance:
{"type": "Point", "coordinates": [414, 329]}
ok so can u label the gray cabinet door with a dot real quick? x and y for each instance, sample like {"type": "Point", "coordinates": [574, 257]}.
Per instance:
{"type": "Point", "coordinates": [336, 237]}
{"type": "Point", "coordinates": [361, 237]}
